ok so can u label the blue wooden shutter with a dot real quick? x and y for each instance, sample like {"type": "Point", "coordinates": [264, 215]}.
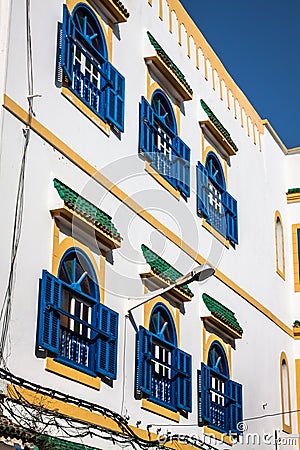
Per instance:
{"type": "Point", "coordinates": [144, 360]}
{"type": "Point", "coordinates": [107, 342]}
{"type": "Point", "coordinates": [202, 190]}
{"type": "Point", "coordinates": [182, 173]}
{"type": "Point", "coordinates": [146, 129]}
{"type": "Point", "coordinates": [184, 380]}
{"type": "Point", "coordinates": [230, 205]}
{"type": "Point", "coordinates": [204, 384]}
{"type": "Point", "coordinates": [68, 36]}
{"type": "Point", "coordinates": [49, 320]}
{"type": "Point", "coordinates": [114, 96]}
{"type": "Point", "coordinates": [235, 392]}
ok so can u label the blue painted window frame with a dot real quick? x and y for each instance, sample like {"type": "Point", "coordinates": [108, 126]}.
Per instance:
{"type": "Point", "coordinates": [101, 87]}
{"type": "Point", "coordinates": [214, 203]}
{"type": "Point", "coordinates": [86, 337]}
{"type": "Point", "coordinates": [164, 372]}
{"type": "Point", "coordinates": [160, 144]}
{"type": "Point", "coordinates": [220, 399]}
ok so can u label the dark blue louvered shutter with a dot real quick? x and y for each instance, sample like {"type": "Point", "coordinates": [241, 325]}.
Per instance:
{"type": "Point", "coordinates": [49, 319]}
{"type": "Point", "coordinates": [68, 39]}
{"type": "Point", "coordinates": [182, 166]}
{"type": "Point", "coordinates": [235, 409]}
{"type": "Point", "coordinates": [204, 384]}
{"type": "Point", "coordinates": [114, 96]}
{"type": "Point", "coordinates": [230, 205]}
{"type": "Point", "coordinates": [144, 355]}
{"type": "Point", "coordinates": [146, 129]}
{"type": "Point", "coordinates": [184, 380]}
{"type": "Point", "coordinates": [107, 342]}
{"type": "Point", "coordinates": [202, 190]}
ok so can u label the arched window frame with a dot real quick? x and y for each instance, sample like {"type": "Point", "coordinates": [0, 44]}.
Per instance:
{"type": "Point", "coordinates": [214, 203]}
{"type": "Point", "coordinates": [220, 398]}
{"type": "Point", "coordinates": [73, 326]}
{"type": "Point", "coordinates": [164, 371]}
{"type": "Point", "coordinates": [279, 243]}
{"type": "Point", "coordinates": [88, 73]}
{"type": "Point", "coordinates": [285, 392]}
{"type": "Point", "coordinates": [160, 144]}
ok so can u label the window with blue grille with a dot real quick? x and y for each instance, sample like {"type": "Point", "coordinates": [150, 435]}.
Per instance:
{"type": "Point", "coordinates": [220, 399]}
{"type": "Point", "coordinates": [214, 203]}
{"type": "Point", "coordinates": [160, 143]}
{"type": "Point", "coordinates": [164, 372]}
{"type": "Point", "coordinates": [88, 73]}
{"type": "Point", "coordinates": [73, 326]}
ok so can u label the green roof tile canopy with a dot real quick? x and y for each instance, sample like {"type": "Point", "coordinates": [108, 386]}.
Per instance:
{"type": "Point", "coordinates": [86, 209]}
{"type": "Point", "coordinates": [293, 191]}
{"type": "Point", "coordinates": [218, 124]}
{"type": "Point", "coordinates": [169, 62]}
{"type": "Point", "coordinates": [9, 429]}
{"type": "Point", "coordinates": [222, 313]}
{"type": "Point", "coordinates": [121, 7]}
{"type": "Point", "coordinates": [160, 267]}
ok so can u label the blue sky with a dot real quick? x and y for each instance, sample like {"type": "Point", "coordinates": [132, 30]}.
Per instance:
{"type": "Point", "coordinates": [258, 42]}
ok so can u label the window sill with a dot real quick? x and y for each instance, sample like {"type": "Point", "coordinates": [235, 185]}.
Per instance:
{"type": "Point", "coordinates": [160, 410]}
{"type": "Point", "coordinates": [69, 95]}
{"type": "Point", "coordinates": [72, 374]}
{"type": "Point", "coordinates": [215, 233]}
{"type": "Point", "coordinates": [223, 437]}
{"type": "Point", "coordinates": [162, 181]}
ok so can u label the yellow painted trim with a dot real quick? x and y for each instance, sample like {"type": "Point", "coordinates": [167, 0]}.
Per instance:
{"type": "Point", "coordinates": [81, 163]}
{"type": "Point", "coordinates": [297, 387]}
{"type": "Point", "coordinates": [295, 227]}
{"type": "Point", "coordinates": [69, 95]}
{"type": "Point", "coordinates": [293, 197]}
{"type": "Point", "coordinates": [225, 145]}
{"type": "Point", "coordinates": [285, 426]}
{"type": "Point", "coordinates": [161, 180]}
{"type": "Point", "coordinates": [217, 435]}
{"type": "Point", "coordinates": [275, 136]}
{"type": "Point", "coordinates": [72, 374]}
{"type": "Point", "coordinates": [280, 272]}
{"type": "Point", "coordinates": [215, 233]}
{"type": "Point", "coordinates": [76, 412]}
{"type": "Point", "coordinates": [222, 326]}
{"type": "Point", "coordinates": [177, 294]}
{"type": "Point", "coordinates": [160, 410]}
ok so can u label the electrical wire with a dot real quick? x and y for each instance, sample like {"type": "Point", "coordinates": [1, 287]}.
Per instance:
{"type": "Point", "coordinates": [5, 314]}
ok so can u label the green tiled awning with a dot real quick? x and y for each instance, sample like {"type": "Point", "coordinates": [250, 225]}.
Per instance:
{"type": "Point", "coordinates": [87, 210]}
{"type": "Point", "coordinates": [163, 269]}
{"type": "Point", "coordinates": [172, 66]}
{"type": "Point", "coordinates": [222, 313]}
{"type": "Point", "coordinates": [121, 7]}
{"type": "Point", "coordinates": [293, 191]}
{"type": "Point", "coordinates": [10, 430]}
{"type": "Point", "coordinates": [218, 124]}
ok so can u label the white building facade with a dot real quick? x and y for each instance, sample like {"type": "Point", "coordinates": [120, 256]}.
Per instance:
{"type": "Point", "coordinates": [129, 156]}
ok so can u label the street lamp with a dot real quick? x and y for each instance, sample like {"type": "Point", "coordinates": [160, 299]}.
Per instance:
{"type": "Point", "coordinates": [200, 273]}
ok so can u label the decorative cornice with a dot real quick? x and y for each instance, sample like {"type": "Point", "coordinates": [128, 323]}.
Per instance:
{"type": "Point", "coordinates": [169, 63]}
{"type": "Point", "coordinates": [222, 313]}
{"type": "Point", "coordinates": [115, 9]}
{"type": "Point", "coordinates": [163, 269]}
{"type": "Point", "coordinates": [219, 126]}
{"type": "Point", "coordinates": [87, 210]}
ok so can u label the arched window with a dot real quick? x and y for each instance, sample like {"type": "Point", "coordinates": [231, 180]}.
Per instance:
{"type": "Point", "coordinates": [285, 394]}
{"type": "Point", "coordinates": [279, 241]}
{"type": "Point", "coordinates": [159, 142]}
{"type": "Point", "coordinates": [84, 60]}
{"type": "Point", "coordinates": [74, 326]}
{"type": "Point", "coordinates": [214, 203]}
{"type": "Point", "coordinates": [164, 371]}
{"type": "Point", "coordinates": [220, 398]}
